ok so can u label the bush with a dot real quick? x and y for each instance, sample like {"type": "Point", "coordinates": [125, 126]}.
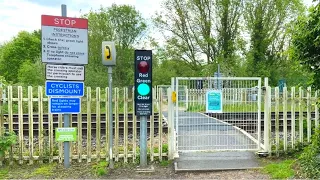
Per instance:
{"type": "Point", "coordinates": [309, 161]}
{"type": "Point", "coordinates": [7, 139]}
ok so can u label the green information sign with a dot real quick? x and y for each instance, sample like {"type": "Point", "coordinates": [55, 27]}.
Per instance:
{"type": "Point", "coordinates": [66, 134]}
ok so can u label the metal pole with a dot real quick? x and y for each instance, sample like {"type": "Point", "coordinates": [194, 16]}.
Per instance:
{"type": "Point", "coordinates": [110, 117]}
{"type": "Point", "coordinates": [143, 141]}
{"type": "Point", "coordinates": [218, 85]}
{"type": "Point", "coordinates": [65, 116]}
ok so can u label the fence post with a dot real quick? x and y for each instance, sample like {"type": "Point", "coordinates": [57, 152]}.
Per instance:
{"type": "Point", "coordinates": [285, 133]}
{"type": "Point", "coordinates": [152, 128]}
{"type": "Point", "coordinates": [277, 119]}
{"type": "Point", "coordinates": [20, 115]}
{"type": "Point", "coordinates": [300, 116]}
{"type": "Point", "coordinates": [134, 128]}
{"type": "Point", "coordinates": [309, 113]}
{"type": "Point", "coordinates": [40, 123]}
{"type": "Point", "coordinates": [88, 124]}
{"type": "Point", "coordinates": [266, 129]}
{"type": "Point", "coordinates": [30, 108]}
{"type": "Point", "coordinates": [1, 121]}
{"type": "Point", "coordinates": [50, 126]}
{"type": "Point", "coordinates": [125, 112]}
{"type": "Point", "coordinates": [316, 110]}
{"type": "Point", "coordinates": [293, 117]}
{"type": "Point", "coordinates": [60, 120]}
{"type": "Point", "coordinates": [170, 125]}
{"type": "Point", "coordinates": [79, 118]}
{"type": "Point", "coordinates": [160, 126]}
{"type": "Point", "coordinates": [98, 124]}
{"type": "Point", "coordinates": [116, 114]}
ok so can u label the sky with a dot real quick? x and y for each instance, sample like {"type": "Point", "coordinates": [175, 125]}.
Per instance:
{"type": "Point", "coordinates": [18, 15]}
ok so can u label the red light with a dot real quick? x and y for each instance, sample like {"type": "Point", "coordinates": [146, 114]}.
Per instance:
{"type": "Point", "coordinates": [143, 67]}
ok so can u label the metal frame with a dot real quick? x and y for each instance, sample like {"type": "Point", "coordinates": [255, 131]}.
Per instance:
{"type": "Point", "coordinates": [175, 85]}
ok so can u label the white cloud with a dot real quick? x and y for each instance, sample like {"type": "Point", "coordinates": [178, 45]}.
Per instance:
{"type": "Point", "coordinates": [18, 15]}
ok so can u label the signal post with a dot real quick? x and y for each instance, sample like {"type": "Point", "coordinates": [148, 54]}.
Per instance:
{"type": "Point", "coordinates": [143, 96]}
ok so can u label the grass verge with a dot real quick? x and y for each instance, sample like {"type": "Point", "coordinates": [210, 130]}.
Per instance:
{"type": "Point", "coordinates": [280, 170]}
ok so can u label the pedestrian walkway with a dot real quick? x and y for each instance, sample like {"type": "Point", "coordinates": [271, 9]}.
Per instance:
{"type": "Point", "coordinates": [202, 138]}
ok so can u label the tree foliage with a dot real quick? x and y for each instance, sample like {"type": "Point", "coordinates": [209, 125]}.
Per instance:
{"type": "Point", "coordinates": [306, 42]}
{"type": "Point", "coordinates": [267, 22]}
{"type": "Point", "coordinates": [245, 37]}
{"type": "Point", "coordinates": [25, 47]}
{"type": "Point", "coordinates": [122, 24]}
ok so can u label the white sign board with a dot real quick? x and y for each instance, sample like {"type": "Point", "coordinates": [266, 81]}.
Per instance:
{"type": "Point", "coordinates": [64, 72]}
{"type": "Point", "coordinates": [64, 40]}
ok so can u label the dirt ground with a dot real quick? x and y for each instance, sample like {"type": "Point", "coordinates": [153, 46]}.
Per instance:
{"type": "Point", "coordinates": [121, 171]}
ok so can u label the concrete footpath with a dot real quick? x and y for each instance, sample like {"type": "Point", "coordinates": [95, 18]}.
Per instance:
{"type": "Point", "coordinates": [199, 133]}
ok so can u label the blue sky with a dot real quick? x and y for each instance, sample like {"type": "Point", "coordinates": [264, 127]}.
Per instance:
{"type": "Point", "coordinates": [18, 15]}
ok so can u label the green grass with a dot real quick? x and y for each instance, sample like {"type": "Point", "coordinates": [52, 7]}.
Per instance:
{"type": "Point", "coordinates": [280, 170]}
{"type": "Point", "coordinates": [165, 163]}
{"type": "Point", "coordinates": [45, 170]}
{"type": "Point", "coordinates": [100, 168]}
{"type": "Point", "coordinates": [4, 173]}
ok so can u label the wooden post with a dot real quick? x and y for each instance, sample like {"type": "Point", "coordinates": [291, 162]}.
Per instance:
{"type": "Point", "coordinates": [116, 113]}
{"type": "Point", "coordinates": [10, 107]}
{"type": "Point", "coordinates": [134, 130]}
{"type": "Point", "coordinates": [277, 120]}
{"type": "Point", "coordinates": [309, 114]}
{"type": "Point", "coordinates": [316, 110]}
{"type": "Point", "coordinates": [98, 124]}
{"type": "Point", "coordinates": [40, 117]}
{"type": "Point", "coordinates": [125, 108]}
{"type": "Point", "coordinates": [293, 117]}
{"type": "Point", "coordinates": [300, 116]}
{"type": "Point", "coordinates": [160, 127]}
{"type": "Point", "coordinates": [285, 124]}
{"type": "Point", "coordinates": [60, 120]}
{"type": "Point", "coordinates": [30, 108]}
{"type": "Point", "coordinates": [80, 135]}
{"type": "Point", "coordinates": [20, 115]}
{"type": "Point", "coordinates": [88, 124]}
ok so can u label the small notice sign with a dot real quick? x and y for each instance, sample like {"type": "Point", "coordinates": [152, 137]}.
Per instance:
{"type": "Point", "coordinates": [64, 72]}
{"type": "Point", "coordinates": [66, 134]}
{"type": "Point", "coordinates": [214, 101]}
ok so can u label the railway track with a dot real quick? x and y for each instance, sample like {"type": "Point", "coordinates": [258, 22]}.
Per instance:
{"type": "Point", "coordinates": [84, 122]}
{"type": "Point", "coordinates": [244, 120]}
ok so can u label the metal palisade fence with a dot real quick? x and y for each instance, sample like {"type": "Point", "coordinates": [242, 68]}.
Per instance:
{"type": "Point", "coordinates": [25, 111]}
{"type": "Point", "coordinates": [288, 118]}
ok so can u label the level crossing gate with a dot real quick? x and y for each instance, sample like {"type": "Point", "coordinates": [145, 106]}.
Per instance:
{"type": "Point", "coordinates": [217, 114]}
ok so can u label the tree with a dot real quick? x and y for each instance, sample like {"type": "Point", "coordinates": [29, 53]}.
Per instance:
{"type": "Point", "coordinates": [267, 22]}
{"type": "Point", "coordinates": [26, 46]}
{"type": "Point", "coordinates": [122, 24]}
{"type": "Point", "coordinates": [306, 42]}
{"type": "Point", "coordinates": [201, 31]}
{"type": "Point", "coordinates": [32, 74]}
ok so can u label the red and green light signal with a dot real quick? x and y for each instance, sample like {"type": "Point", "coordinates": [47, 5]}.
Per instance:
{"type": "Point", "coordinates": [143, 82]}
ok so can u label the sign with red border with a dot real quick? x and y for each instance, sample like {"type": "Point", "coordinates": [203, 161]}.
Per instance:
{"type": "Point", "coordinates": [64, 40]}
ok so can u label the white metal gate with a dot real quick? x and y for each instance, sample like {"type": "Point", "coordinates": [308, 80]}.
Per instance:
{"type": "Point", "coordinates": [236, 128]}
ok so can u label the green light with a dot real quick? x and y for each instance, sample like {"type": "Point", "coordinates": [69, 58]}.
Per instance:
{"type": "Point", "coordinates": [143, 89]}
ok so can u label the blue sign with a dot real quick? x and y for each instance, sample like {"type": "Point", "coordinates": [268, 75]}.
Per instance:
{"type": "Point", "coordinates": [214, 101]}
{"type": "Point", "coordinates": [281, 84]}
{"type": "Point", "coordinates": [64, 105]}
{"type": "Point", "coordinates": [64, 88]}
